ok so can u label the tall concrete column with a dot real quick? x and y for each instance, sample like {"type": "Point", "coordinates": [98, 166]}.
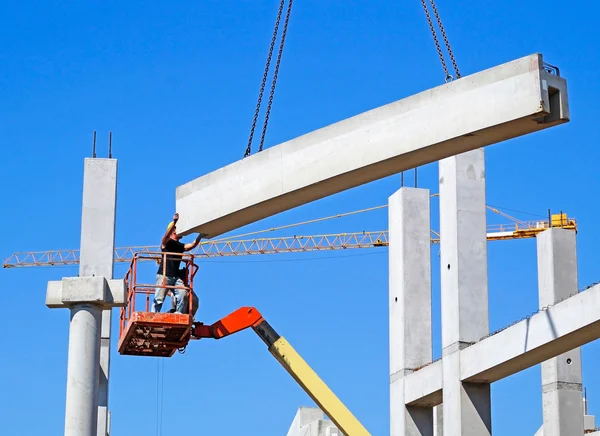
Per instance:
{"type": "Point", "coordinates": [409, 305]}
{"type": "Point", "coordinates": [464, 289]}
{"type": "Point", "coordinates": [438, 420]}
{"type": "Point", "coordinates": [82, 370]}
{"type": "Point", "coordinates": [97, 256]}
{"type": "Point", "coordinates": [561, 375]}
{"type": "Point", "coordinates": [90, 297]}
{"type": "Point", "coordinates": [103, 412]}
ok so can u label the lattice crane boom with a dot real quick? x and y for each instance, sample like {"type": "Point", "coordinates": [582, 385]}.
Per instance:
{"type": "Point", "coordinates": [286, 244]}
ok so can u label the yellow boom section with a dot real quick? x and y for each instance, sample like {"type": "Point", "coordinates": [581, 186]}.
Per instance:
{"type": "Point", "coordinates": [316, 389]}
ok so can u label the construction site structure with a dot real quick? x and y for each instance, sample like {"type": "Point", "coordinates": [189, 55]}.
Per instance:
{"type": "Point", "coordinates": [527, 96]}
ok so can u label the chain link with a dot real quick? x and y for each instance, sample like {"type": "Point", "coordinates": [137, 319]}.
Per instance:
{"type": "Point", "coordinates": [264, 80]}
{"type": "Point", "coordinates": [435, 39]}
{"type": "Point", "coordinates": [437, 43]}
{"type": "Point", "coordinates": [439, 20]}
{"type": "Point", "coordinates": [276, 73]}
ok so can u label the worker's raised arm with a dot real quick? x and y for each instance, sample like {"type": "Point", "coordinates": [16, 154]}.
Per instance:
{"type": "Point", "coordinates": [169, 231]}
{"type": "Point", "coordinates": [194, 244]}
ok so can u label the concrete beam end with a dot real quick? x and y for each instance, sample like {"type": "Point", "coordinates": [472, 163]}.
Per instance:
{"type": "Point", "coordinates": [71, 291]}
{"type": "Point", "coordinates": [54, 295]}
{"type": "Point", "coordinates": [117, 292]}
{"type": "Point", "coordinates": [84, 290]}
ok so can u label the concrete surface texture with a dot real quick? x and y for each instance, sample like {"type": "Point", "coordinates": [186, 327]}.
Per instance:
{"type": "Point", "coordinates": [311, 421]}
{"type": "Point", "coordinates": [516, 348]}
{"type": "Point", "coordinates": [464, 289]}
{"type": "Point", "coordinates": [561, 375]}
{"type": "Point", "coordinates": [97, 250]}
{"type": "Point", "coordinates": [589, 421]}
{"type": "Point", "coordinates": [452, 395]}
{"type": "Point", "coordinates": [90, 297]}
{"type": "Point", "coordinates": [503, 102]}
{"type": "Point", "coordinates": [410, 328]}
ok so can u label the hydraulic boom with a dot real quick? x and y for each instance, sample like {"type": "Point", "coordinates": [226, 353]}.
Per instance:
{"type": "Point", "coordinates": [249, 317]}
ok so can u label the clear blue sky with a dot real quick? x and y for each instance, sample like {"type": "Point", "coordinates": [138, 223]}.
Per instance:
{"type": "Point", "coordinates": [177, 84]}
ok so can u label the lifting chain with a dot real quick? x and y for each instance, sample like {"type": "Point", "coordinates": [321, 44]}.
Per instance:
{"type": "Point", "coordinates": [264, 80]}
{"type": "Point", "coordinates": [275, 74]}
{"type": "Point", "coordinates": [437, 44]}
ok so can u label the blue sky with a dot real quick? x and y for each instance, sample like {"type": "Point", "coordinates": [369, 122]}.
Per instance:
{"type": "Point", "coordinates": [177, 85]}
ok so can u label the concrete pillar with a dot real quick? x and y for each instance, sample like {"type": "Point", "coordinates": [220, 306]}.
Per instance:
{"type": "Point", "coordinates": [410, 305]}
{"type": "Point", "coordinates": [561, 376]}
{"type": "Point", "coordinates": [97, 256]}
{"type": "Point", "coordinates": [97, 251]}
{"type": "Point", "coordinates": [103, 421]}
{"type": "Point", "coordinates": [438, 420]}
{"type": "Point", "coordinates": [82, 370]}
{"type": "Point", "coordinates": [90, 298]}
{"type": "Point", "coordinates": [464, 289]}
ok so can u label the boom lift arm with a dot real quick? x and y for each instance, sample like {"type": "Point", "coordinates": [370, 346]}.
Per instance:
{"type": "Point", "coordinates": [250, 317]}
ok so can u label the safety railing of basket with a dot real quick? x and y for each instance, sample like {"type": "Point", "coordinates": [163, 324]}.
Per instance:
{"type": "Point", "coordinates": [145, 291]}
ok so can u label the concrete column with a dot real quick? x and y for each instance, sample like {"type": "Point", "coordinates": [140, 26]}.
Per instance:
{"type": "Point", "coordinates": [103, 422]}
{"type": "Point", "coordinates": [97, 256]}
{"type": "Point", "coordinates": [438, 420]}
{"type": "Point", "coordinates": [90, 298]}
{"type": "Point", "coordinates": [464, 289]}
{"type": "Point", "coordinates": [410, 305]}
{"type": "Point", "coordinates": [561, 376]}
{"type": "Point", "coordinates": [82, 370]}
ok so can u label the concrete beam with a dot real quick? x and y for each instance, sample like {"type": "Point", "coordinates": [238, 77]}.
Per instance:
{"type": "Point", "coordinates": [409, 305]}
{"type": "Point", "coordinates": [530, 342]}
{"type": "Point", "coordinates": [72, 291]}
{"type": "Point", "coordinates": [546, 334]}
{"type": "Point", "coordinates": [507, 101]}
{"type": "Point", "coordinates": [423, 388]}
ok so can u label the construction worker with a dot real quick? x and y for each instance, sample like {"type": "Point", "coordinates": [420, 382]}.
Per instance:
{"type": "Point", "coordinates": [169, 273]}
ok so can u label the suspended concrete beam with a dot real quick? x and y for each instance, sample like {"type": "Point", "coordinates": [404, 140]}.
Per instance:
{"type": "Point", "coordinates": [503, 102]}
{"type": "Point", "coordinates": [546, 334]}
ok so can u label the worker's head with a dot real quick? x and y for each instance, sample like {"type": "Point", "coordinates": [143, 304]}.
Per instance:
{"type": "Point", "coordinates": [174, 234]}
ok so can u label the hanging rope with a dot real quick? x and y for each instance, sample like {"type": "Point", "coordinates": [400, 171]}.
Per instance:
{"type": "Point", "coordinates": [437, 43]}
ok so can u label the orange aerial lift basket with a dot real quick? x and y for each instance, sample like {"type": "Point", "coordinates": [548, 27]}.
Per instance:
{"type": "Point", "coordinates": [146, 333]}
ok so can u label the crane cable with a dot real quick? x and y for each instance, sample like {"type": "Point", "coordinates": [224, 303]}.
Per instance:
{"type": "Point", "coordinates": [437, 43]}
{"type": "Point", "coordinates": [266, 72]}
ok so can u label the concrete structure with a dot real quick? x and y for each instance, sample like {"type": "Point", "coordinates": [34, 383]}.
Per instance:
{"type": "Point", "coordinates": [311, 421]}
{"type": "Point", "coordinates": [589, 422]}
{"type": "Point", "coordinates": [561, 375]}
{"type": "Point", "coordinates": [90, 296]}
{"type": "Point", "coordinates": [464, 290]}
{"type": "Point", "coordinates": [410, 304]}
{"type": "Point", "coordinates": [452, 395]}
{"type": "Point", "coordinates": [513, 99]}
{"type": "Point", "coordinates": [516, 348]}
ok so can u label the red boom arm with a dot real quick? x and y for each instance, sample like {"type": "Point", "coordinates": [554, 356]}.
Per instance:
{"type": "Point", "coordinates": [239, 320]}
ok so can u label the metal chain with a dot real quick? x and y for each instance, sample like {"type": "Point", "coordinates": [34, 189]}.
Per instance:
{"type": "Point", "coordinates": [439, 20]}
{"type": "Point", "coordinates": [285, 26]}
{"type": "Point", "coordinates": [435, 39]}
{"type": "Point", "coordinates": [264, 80]}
